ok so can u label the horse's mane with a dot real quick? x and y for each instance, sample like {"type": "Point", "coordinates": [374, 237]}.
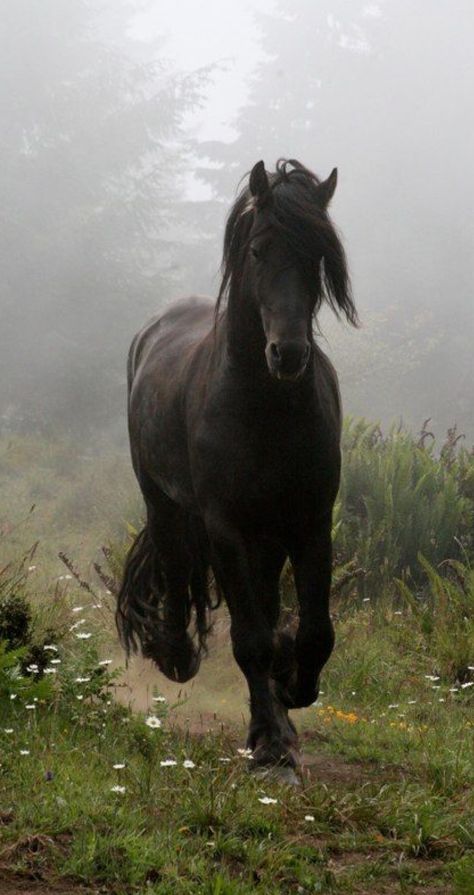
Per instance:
{"type": "Point", "coordinates": [297, 213]}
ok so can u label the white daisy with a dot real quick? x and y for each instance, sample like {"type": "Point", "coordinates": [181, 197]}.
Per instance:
{"type": "Point", "coordinates": [153, 722]}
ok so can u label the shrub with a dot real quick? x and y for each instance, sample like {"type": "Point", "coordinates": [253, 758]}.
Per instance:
{"type": "Point", "coordinates": [399, 499]}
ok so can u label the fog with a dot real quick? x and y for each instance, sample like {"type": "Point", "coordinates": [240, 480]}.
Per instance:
{"type": "Point", "coordinates": [125, 129]}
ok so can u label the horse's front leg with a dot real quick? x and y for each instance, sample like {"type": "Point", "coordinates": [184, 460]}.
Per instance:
{"type": "Point", "coordinates": [311, 558]}
{"type": "Point", "coordinates": [271, 737]}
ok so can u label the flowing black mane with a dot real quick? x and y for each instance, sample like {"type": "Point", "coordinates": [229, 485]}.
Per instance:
{"type": "Point", "coordinates": [295, 211]}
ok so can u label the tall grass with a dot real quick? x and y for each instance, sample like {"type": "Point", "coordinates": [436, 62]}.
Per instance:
{"type": "Point", "coordinates": [399, 498]}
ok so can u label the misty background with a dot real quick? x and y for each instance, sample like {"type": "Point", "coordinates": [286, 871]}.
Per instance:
{"type": "Point", "coordinates": [125, 128]}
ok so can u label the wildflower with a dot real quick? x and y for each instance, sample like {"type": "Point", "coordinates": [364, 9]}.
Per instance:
{"type": "Point", "coordinates": [13, 695]}
{"type": "Point", "coordinates": [432, 677]}
{"type": "Point", "coordinates": [441, 700]}
{"type": "Point", "coordinates": [159, 699]}
{"type": "Point", "coordinates": [68, 577]}
{"type": "Point", "coordinates": [31, 568]}
{"type": "Point", "coordinates": [24, 751]}
{"type": "Point", "coordinates": [187, 763]}
{"type": "Point", "coordinates": [468, 684]}
{"type": "Point", "coordinates": [266, 800]}
{"type": "Point", "coordinates": [454, 690]}
{"type": "Point", "coordinates": [77, 608]}
{"type": "Point", "coordinates": [309, 817]}
{"type": "Point", "coordinates": [224, 760]}
{"type": "Point", "coordinates": [412, 701]}
{"type": "Point", "coordinates": [365, 600]}
{"type": "Point", "coordinates": [30, 706]}
{"type": "Point", "coordinates": [55, 661]}
{"type": "Point", "coordinates": [32, 668]}
{"type": "Point", "coordinates": [153, 722]}
{"type": "Point", "coordinates": [117, 788]}
{"type": "Point", "coordinates": [119, 767]}
{"type": "Point", "coordinates": [8, 729]}
{"type": "Point", "coordinates": [50, 646]}
{"type": "Point", "coordinates": [79, 697]}
{"type": "Point", "coordinates": [168, 763]}
{"type": "Point", "coordinates": [104, 662]}
{"type": "Point", "coordinates": [83, 636]}
{"type": "Point", "coordinates": [97, 605]}
{"type": "Point", "coordinates": [398, 612]}
{"type": "Point", "coordinates": [82, 680]}
{"type": "Point", "coordinates": [50, 670]}
{"type": "Point", "coordinates": [394, 705]}
{"type": "Point", "coordinates": [246, 753]}
{"type": "Point", "coordinates": [78, 624]}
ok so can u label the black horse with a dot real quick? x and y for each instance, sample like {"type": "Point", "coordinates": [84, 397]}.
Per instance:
{"type": "Point", "coordinates": [234, 419]}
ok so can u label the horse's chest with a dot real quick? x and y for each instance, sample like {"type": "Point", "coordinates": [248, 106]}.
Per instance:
{"type": "Point", "coordinates": [263, 467]}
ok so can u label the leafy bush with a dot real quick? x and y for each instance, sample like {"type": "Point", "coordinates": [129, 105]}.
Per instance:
{"type": "Point", "coordinates": [399, 499]}
{"type": "Point", "coordinates": [443, 615]}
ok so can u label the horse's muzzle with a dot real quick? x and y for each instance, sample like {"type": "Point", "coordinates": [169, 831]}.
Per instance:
{"type": "Point", "coordinates": [287, 360]}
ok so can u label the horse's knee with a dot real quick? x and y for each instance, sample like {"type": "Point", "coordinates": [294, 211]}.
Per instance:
{"type": "Point", "coordinates": [252, 645]}
{"type": "Point", "coordinates": [314, 643]}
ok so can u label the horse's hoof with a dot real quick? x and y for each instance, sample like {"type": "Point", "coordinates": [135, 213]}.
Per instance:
{"type": "Point", "coordinates": [180, 667]}
{"type": "Point", "coordinates": [279, 774]}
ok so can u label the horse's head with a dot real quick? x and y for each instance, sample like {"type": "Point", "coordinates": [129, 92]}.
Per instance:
{"type": "Point", "coordinates": [282, 250]}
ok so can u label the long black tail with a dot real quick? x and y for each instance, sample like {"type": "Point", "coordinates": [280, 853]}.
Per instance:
{"type": "Point", "coordinates": [153, 616]}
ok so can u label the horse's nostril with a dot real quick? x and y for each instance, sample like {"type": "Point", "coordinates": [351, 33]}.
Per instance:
{"type": "Point", "coordinates": [275, 351]}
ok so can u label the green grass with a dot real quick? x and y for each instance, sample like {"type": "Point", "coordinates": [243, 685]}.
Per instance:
{"type": "Point", "coordinates": [389, 788]}
{"type": "Point", "coordinates": [388, 780]}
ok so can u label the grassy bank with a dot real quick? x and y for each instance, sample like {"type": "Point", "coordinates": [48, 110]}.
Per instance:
{"type": "Point", "coordinates": [385, 803]}
{"type": "Point", "coordinates": [95, 799]}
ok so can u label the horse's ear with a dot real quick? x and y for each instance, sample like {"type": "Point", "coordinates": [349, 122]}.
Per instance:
{"type": "Point", "coordinates": [327, 188]}
{"type": "Point", "coordinates": [258, 183]}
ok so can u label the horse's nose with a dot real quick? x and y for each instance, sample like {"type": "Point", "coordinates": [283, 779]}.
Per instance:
{"type": "Point", "coordinates": [289, 358]}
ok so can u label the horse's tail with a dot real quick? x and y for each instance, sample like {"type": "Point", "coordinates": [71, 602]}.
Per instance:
{"type": "Point", "coordinates": [153, 617]}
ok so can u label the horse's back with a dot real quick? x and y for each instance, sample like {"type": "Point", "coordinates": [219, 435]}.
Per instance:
{"type": "Point", "coordinates": [178, 327]}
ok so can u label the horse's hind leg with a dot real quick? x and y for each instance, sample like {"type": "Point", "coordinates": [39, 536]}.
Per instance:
{"type": "Point", "coordinates": [154, 604]}
{"type": "Point", "coordinates": [175, 653]}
